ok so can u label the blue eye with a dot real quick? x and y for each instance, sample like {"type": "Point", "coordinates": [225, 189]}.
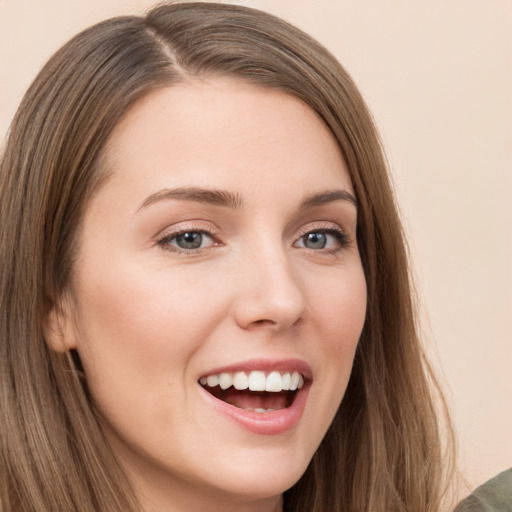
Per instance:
{"type": "Point", "coordinates": [187, 241]}
{"type": "Point", "coordinates": [315, 240]}
{"type": "Point", "coordinates": [329, 239]}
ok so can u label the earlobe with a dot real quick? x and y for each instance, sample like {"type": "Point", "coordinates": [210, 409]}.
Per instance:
{"type": "Point", "coordinates": [58, 331]}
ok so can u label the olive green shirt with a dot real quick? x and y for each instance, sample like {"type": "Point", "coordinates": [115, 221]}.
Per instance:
{"type": "Point", "coordinates": [493, 496]}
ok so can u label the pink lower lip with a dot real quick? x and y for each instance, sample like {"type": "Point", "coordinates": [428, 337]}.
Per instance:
{"type": "Point", "coordinates": [266, 423]}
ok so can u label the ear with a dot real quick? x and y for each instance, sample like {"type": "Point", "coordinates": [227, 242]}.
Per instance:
{"type": "Point", "coordinates": [59, 329]}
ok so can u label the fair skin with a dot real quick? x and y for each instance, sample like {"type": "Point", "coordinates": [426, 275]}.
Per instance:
{"type": "Point", "coordinates": [175, 285]}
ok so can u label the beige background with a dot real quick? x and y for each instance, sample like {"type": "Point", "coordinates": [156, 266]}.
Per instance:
{"type": "Point", "coordinates": [438, 77]}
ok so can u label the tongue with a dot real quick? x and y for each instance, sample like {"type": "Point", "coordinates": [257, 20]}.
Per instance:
{"type": "Point", "coordinates": [253, 399]}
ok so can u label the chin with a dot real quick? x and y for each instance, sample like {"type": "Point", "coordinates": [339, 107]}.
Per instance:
{"type": "Point", "coordinates": [260, 474]}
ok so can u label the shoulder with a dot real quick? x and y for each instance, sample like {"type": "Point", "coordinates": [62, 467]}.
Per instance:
{"type": "Point", "coordinates": [493, 496]}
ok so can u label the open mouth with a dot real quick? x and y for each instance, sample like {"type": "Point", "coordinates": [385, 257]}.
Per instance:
{"type": "Point", "coordinates": [255, 391]}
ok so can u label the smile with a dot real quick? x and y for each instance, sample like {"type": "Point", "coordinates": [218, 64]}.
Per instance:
{"type": "Point", "coordinates": [256, 390]}
{"type": "Point", "coordinates": [255, 381]}
{"type": "Point", "coordinates": [262, 396]}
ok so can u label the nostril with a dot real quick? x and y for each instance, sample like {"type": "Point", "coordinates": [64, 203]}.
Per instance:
{"type": "Point", "coordinates": [274, 325]}
{"type": "Point", "coordinates": [263, 322]}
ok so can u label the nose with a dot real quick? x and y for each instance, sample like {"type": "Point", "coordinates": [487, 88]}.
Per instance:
{"type": "Point", "coordinates": [270, 292]}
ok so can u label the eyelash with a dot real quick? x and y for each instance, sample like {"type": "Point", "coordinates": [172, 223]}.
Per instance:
{"type": "Point", "coordinates": [340, 236]}
{"type": "Point", "coordinates": [165, 241]}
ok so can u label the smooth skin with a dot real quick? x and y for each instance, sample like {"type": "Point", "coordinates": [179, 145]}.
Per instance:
{"type": "Point", "coordinates": [173, 280]}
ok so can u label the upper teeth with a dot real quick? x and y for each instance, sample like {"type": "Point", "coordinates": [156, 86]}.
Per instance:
{"type": "Point", "coordinates": [255, 381]}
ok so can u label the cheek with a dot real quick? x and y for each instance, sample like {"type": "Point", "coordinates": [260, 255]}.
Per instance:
{"type": "Point", "coordinates": [339, 309]}
{"type": "Point", "coordinates": [338, 316]}
{"type": "Point", "coordinates": [141, 327]}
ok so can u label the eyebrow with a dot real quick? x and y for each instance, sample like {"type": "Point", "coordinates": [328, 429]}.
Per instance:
{"type": "Point", "coordinates": [232, 200]}
{"type": "Point", "coordinates": [198, 195]}
{"type": "Point", "coordinates": [326, 197]}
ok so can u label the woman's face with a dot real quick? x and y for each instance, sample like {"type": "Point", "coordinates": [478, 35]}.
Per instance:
{"type": "Point", "coordinates": [222, 249]}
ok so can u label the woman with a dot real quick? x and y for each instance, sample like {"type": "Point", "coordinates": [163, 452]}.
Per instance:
{"type": "Point", "coordinates": [205, 297]}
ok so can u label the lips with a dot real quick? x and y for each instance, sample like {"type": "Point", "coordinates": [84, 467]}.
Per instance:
{"type": "Point", "coordinates": [268, 398]}
{"type": "Point", "coordinates": [255, 390]}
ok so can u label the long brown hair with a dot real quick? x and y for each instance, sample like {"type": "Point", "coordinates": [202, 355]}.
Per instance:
{"type": "Point", "coordinates": [383, 450]}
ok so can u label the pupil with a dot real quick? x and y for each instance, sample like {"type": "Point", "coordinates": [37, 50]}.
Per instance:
{"type": "Point", "coordinates": [190, 240]}
{"type": "Point", "coordinates": [315, 240]}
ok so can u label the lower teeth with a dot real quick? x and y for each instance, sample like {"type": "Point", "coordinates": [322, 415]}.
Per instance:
{"type": "Point", "coordinates": [259, 409]}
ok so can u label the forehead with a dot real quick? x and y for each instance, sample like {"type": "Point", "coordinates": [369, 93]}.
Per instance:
{"type": "Point", "coordinates": [211, 131]}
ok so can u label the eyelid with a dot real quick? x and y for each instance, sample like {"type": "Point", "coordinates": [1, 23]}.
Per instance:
{"type": "Point", "coordinates": [321, 226]}
{"type": "Point", "coordinates": [343, 238]}
{"type": "Point", "coordinates": [205, 228]}
{"type": "Point", "coordinates": [188, 225]}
